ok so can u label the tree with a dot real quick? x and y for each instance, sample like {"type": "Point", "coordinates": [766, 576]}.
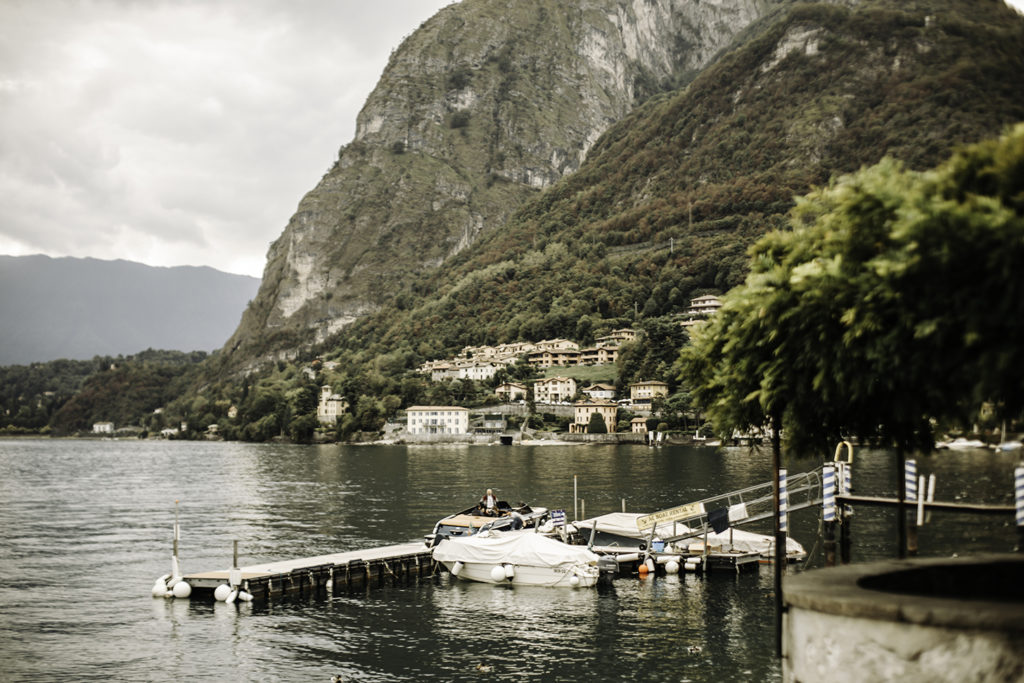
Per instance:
{"type": "Point", "coordinates": [597, 424]}
{"type": "Point", "coordinates": [893, 300]}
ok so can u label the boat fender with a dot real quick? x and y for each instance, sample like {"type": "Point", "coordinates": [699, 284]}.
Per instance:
{"type": "Point", "coordinates": [456, 568]}
{"type": "Point", "coordinates": [245, 596]}
{"type": "Point", "coordinates": [665, 559]}
{"type": "Point", "coordinates": [182, 589]}
{"type": "Point", "coordinates": [642, 570]}
{"type": "Point", "coordinates": [231, 597]}
{"type": "Point", "coordinates": [221, 592]}
{"type": "Point", "coordinates": [627, 557]}
{"type": "Point", "coordinates": [574, 580]}
{"type": "Point", "coordinates": [498, 574]}
{"type": "Point", "coordinates": [160, 587]}
{"type": "Point", "coordinates": [510, 572]}
{"type": "Point", "coordinates": [671, 567]}
{"type": "Point", "coordinates": [650, 564]}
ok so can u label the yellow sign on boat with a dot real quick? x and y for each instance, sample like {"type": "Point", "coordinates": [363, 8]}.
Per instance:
{"type": "Point", "coordinates": [669, 515]}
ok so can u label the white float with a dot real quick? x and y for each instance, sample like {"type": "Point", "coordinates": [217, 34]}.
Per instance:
{"type": "Point", "coordinates": [221, 593]}
{"type": "Point", "coordinates": [182, 589]}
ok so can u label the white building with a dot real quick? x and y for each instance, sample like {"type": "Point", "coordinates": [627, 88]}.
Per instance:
{"type": "Point", "coordinates": [103, 428]}
{"type": "Point", "coordinates": [437, 420]}
{"type": "Point", "coordinates": [554, 389]}
{"type": "Point", "coordinates": [605, 391]}
{"type": "Point", "coordinates": [331, 406]}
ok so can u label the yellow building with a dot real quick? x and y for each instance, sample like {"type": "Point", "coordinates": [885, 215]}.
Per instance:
{"type": "Point", "coordinates": [584, 409]}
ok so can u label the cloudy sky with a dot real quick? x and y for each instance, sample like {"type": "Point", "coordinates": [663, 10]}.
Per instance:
{"type": "Point", "coordinates": [179, 132]}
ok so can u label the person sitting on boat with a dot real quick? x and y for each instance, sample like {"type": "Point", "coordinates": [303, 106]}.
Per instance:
{"type": "Point", "coordinates": [489, 502]}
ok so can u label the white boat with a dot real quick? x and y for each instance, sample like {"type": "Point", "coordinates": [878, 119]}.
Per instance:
{"type": "Point", "coordinates": [617, 532]}
{"type": "Point", "coordinates": [1007, 446]}
{"type": "Point", "coordinates": [473, 520]}
{"type": "Point", "coordinates": [520, 558]}
{"type": "Point", "coordinates": [960, 444]}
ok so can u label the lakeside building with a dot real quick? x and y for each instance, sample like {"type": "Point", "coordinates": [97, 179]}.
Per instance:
{"type": "Point", "coordinates": [646, 392]}
{"type": "Point", "coordinates": [437, 420]}
{"type": "Point", "coordinates": [638, 425]}
{"type": "Point", "coordinates": [554, 389]}
{"type": "Point", "coordinates": [604, 391]}
{"type": "Point", "coordinates": [510, 391]}
{"type": "Point", "coordinates": [608, 411]}
{"type": "Point", "coordinates": [331, 406]}
{"type": "Point", "coordinates": [103, 428]}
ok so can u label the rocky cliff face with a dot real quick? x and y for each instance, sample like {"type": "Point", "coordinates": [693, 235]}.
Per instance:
{"type": "Point", "coordinates": [487, 103]}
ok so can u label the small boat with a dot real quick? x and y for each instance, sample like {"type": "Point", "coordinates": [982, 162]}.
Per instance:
{"type": "Point", "coordinates": [1007, 446]}
{"type": "Point", "coordinates": [520, 558]}
{"type": "Point", "coordinates": [960, 444]}
{"type": "Point", "coordinates": [473, 520]}
{"type": "Point", "coordinates": [617, 532]}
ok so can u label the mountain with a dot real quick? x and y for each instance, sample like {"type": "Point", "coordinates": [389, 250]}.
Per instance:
{"type": "Point", "coordinates": [670, 197]}
{"type": "Point", "coordinates": [489, 103]}
{"type": "Point", "coordinates": [79, 308]}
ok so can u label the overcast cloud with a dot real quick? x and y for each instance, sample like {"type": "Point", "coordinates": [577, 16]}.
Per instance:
{"type": "Point", "coordinates": [179, 132]}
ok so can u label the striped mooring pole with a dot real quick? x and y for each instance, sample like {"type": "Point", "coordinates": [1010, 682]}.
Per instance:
{"type": "Point", "coordinates": [828, 501]}
{"type": "Point", "coordinates": [910, 473]}
{"type": "Point", "coordinates": [783, 503]}
{"type": "Point", "coordinates": [1019, 503]}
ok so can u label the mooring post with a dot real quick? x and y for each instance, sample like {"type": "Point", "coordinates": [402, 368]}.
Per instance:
{"type": "Point", "coordinates": [910, 483]}
{"type": "Point", "coordinates": [829, 514]}
{"type": "Point", "coordinates": [1019, 503]}
{"type": "Point", "coordinates": [575, 504]}
{"type": "Point", "coordinates": [845, 512]}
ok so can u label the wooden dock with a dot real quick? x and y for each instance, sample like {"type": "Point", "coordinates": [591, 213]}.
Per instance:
{"type": "Point", "coordinates": [310, 575]}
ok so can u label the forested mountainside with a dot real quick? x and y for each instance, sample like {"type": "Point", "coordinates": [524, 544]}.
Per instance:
{"type": "Point", "coordinates": [669, 198]}
{"type": "Point", "coordinates": [488, 103]}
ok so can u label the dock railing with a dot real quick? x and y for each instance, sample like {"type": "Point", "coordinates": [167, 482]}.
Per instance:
{"type": "Point", "coordinates": [740, 507]}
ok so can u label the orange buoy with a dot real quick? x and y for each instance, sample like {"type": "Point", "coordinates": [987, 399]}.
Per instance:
{"type": "Point", "coordinates": [642, 570]}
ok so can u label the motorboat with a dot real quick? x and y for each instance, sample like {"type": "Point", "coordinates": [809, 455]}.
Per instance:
{"type": "Point", "coordinates": [519, 558]}
{"type": "Point", "coordinates": [473, 520]}
{"type": "Point", "coordinates": [617, 532]}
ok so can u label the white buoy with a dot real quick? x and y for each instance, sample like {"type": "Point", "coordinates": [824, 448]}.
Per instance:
{"type": "Point", "coordinates": [231, 596]}
{"type": "Point", "coordinates": [182, 589]}
{"type": "Point", "coordinates": [498, 574]}
{"type": "Point", "coordinates": [244, 596]}
{"type": "Point", "coordinates": [160, 587]}
{"type": "Point", "coordinates": [510, 572]}
{"type": "Point", "coordinates": [456, 568]}
{"type": "Point", "coordinates": [221, 593]}
{"type": "Point", "coordinates": [650, 564]}
{"type": "Point", "coordinates": [574, 580]}
{"type": "Point", "coordinates": [671, 567]}
{"type": "Point", "coordinates": [691, 565]}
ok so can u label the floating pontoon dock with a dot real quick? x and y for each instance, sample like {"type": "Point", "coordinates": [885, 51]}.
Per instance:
{"type": "Point", "coordinates": [312, 574]}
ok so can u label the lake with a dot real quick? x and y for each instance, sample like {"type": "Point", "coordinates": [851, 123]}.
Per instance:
{"type": "Point", "coordinates": [86, 528]}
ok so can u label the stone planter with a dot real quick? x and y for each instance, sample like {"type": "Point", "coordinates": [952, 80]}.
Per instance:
{"type": "Point", "coordinates": [916, 620]}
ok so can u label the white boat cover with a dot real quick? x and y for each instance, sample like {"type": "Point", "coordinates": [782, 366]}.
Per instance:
{"type": "Point", "coordinates": [624, 524]}
{"type": "Point", "coordinates": [518, 548]}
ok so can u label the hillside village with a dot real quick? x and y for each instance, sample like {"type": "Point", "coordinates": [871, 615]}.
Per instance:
{"type": "Point", "coordinates": [592, 409]}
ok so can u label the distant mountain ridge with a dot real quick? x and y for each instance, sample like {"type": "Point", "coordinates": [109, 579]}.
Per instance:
{"type": "Point", "coordinates": [77, 308]}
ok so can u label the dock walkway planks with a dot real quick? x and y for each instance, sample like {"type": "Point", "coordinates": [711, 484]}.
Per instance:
{"type": "Point", "coordinates": [313, 573]}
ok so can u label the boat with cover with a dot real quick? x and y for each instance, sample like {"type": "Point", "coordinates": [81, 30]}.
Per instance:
{"type": "Point", "coordinates": [617, 532]}
{"type": "Point", "coordinates": [473, 520]}
{"type": "Point", "coordinates": [520, 558]}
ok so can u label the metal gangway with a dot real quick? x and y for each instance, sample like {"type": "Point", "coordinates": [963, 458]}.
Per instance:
{"type": "Point", "coordinates": [744, 506]}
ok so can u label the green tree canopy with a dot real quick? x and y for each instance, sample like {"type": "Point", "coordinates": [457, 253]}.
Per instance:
{"type": "Point", "coordinates": [892, 299]}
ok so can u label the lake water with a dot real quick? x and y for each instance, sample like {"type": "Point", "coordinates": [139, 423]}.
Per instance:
{"type": "Point", "coordinates": [85, 529]}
